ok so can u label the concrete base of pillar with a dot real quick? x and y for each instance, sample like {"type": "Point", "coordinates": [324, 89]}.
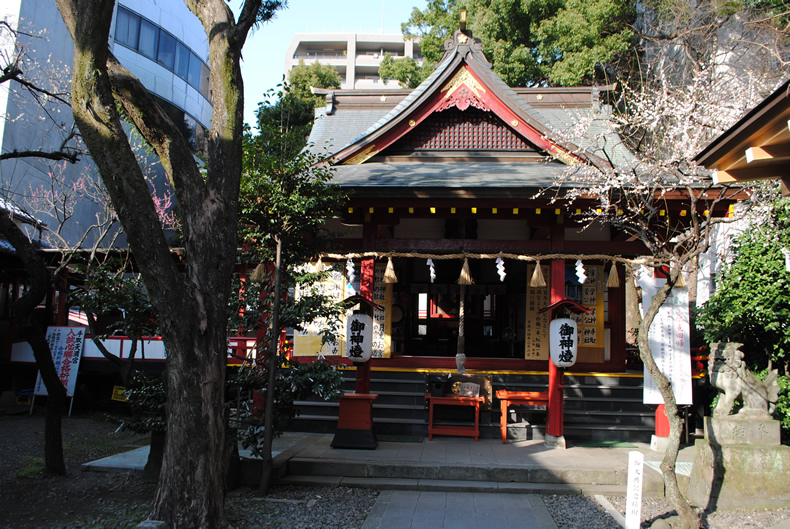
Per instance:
{"type": "Point", "coordinates": [554, 441]}
{"type": "Point", "coordinates": [659, 444]}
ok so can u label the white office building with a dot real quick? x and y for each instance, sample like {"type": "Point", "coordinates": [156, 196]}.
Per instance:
{"type": "Point", "coordinates": [356, 56]}
{"type": "Point", "coordinates": [161, 43]}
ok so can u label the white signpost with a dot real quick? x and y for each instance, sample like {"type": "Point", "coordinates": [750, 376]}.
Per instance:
{"type": "Point", "coordinates": [633, 499]}
{"type": "Point", "coordinates": [66, 344]}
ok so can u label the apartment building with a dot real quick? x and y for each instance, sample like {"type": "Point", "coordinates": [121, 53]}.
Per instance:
{"type": "Point", "coordinates": [356, 56]}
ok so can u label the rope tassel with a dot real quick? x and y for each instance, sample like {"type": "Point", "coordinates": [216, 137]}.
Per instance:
{"type": "Point", "coordinates": [466, 277]}
{"type": "Point", "coordinates": [259, 273]}
{"type": "Point", "coordinates": [614, 279]}
{"type": "Point", "coordinates": [537, 280]}
{"type": "Point", "coordinates": [389, 273]}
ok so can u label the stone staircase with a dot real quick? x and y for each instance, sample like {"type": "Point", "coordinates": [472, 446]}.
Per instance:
{"type": "Point", "coordinates": [446, 477]}
{"type": "Point", "coordinates": [598, 407]}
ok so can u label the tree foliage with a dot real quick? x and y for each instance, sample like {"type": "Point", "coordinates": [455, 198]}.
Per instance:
{"type": "Point", "coordinates": [558, 42]}
{"type": "Point", "coordinates": [286, 115]}
{"type": "Point", "coordinates": [304, 76]}
{"type": "Point", "coordinates": [752, 300]}
{"type": "Point", "coordinates": [406, 71]}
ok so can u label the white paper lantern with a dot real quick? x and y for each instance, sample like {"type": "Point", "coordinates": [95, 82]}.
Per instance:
{"type": "Point", "coordinates": [359, 337]}
{"type": "Point", "coordinates": [563, 342]}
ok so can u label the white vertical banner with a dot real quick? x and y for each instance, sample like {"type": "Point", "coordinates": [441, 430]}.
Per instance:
{"type": "Point", "coordinates": [633, 498]}
{"type": "Point", "coordinates": [669, 341]}
{"type": "Point", "coordinates": [66, 344]}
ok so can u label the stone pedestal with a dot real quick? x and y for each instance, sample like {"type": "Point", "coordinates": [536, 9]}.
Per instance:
{"type": "Point", "coordinates": [355, 422]}
{"type": "Point", "coordinates": [740, 465]}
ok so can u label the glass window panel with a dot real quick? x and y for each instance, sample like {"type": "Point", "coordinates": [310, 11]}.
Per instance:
{"type": "Point", "coordinates": [193, 77]}
{"type": "Point", "coordinates": [167, 50]}
{"type": "Point", "coordinates": [204, 80]}
{"type": "Point", "coordinates": [127, 26]}
{"type": "Point", "coordinates": [182, 60]}
{"type": "Point", "coordinates": [149, 36]}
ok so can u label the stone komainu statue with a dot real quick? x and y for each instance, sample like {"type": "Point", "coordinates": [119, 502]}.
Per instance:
{"type": "Point", "coordinates": [729, 374]}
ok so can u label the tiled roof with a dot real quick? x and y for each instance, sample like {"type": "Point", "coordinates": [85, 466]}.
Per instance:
{"type": "Point", "coordinates": [349, 127]}
{"type": "Point", "coordinates": [535, 175]}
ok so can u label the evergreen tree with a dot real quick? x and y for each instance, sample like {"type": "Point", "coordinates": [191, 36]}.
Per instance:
{"type": "Point", "coordinates": [557, 42]}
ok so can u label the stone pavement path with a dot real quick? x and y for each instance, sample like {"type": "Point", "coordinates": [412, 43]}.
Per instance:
{"type": "Point", "coordinates": [408, 509]}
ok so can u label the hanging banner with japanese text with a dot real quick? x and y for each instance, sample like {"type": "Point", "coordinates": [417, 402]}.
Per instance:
{"type": "Point", "coordinates": [66, 344]}
{"type": "Point", "coordinates": [308, 342]}
{"type": "Point", "coordinates": [382, 314]}
{"type": "Point", "coordinates": [536, 337]}
{"type": "Point", "coordinates": [669, 341]}
{"type": "Point", "coordinates": [591, 324]}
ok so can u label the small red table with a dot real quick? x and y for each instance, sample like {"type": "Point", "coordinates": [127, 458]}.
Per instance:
{"type": "Point", "coordinates": [454, 400]}
{"type": "Point", "coordinates": [506, 398]}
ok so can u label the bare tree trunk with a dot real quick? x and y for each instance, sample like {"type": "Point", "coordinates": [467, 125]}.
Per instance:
{"type": "Point", "coordinates": [688, 518]}
{"type": "Point", "coordinates": [38, 282]}
{"type": "Point", "coordinates": [268, 423]}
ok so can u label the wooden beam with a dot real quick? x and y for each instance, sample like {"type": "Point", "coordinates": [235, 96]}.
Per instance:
{"type": "Point", "coordinates": [768, 152]}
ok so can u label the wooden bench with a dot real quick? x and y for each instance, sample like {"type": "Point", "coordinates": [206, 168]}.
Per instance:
{"type": "Point", "coordinates": [454, 400]}
{"type": "Point", "coordinates": [523, 398]}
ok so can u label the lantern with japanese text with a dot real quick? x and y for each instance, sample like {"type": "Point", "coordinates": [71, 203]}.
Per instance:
{"type": "Point", "coordinates": [359, 337]}
{"type": "Point", "coordinates": [563, 341]}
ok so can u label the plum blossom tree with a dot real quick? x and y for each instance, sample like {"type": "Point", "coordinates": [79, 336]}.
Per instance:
{"type": "Point", "coordinates": [705, 67]}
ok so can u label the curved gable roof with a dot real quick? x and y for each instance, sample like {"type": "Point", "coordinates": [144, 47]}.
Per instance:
{"type": "Point", "coordinates": [462, 78]}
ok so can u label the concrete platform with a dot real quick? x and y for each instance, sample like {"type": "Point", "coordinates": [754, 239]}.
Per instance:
{"type": "Point", "coordinates": [464, 477]}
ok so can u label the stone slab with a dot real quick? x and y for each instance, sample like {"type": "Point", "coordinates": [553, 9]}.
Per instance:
{"type": "Point", "coordinates": [727, 477]}
{"type": "Point", "coordinates": [733, 430]}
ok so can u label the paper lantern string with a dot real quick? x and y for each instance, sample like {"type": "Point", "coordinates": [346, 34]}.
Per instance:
{"type": "Point", "coordinates": [350, 271]}
{"type": "Point", "coordinates": [500, 269]}
{"type": "Point", "coordinates": [580, 271]}
{"type": "Point", "coordinates": [432, 270]}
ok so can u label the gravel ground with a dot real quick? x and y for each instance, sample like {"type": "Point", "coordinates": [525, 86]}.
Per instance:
{"type": "Point", "coordinates": [657, 508]}
{"type": "Point", "coordinates": [292, 507]}
{"type": "Point", "coordinates": [31, 499]}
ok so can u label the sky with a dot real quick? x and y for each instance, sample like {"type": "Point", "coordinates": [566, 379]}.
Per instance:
{"type": "Point", "coordinates": [263, 62]}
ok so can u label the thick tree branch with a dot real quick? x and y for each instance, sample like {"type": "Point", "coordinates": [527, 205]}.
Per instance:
{"type": "Point", "coordinates": [58, 156]}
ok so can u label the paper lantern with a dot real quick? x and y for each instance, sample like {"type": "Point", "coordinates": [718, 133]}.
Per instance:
{"type": "Point", "coordinates": [359, 337]}
{"type": "Point", "coordinates": [563, 342]}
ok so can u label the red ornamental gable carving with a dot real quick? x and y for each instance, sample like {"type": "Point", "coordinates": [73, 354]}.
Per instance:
{"type": "Point", "coordinates": [462, 99]}
{"type": "Point", "coordinates": [456, 130]}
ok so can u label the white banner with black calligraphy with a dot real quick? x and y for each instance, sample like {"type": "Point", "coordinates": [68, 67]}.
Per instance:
{"type": "Point", "coordinates": [669, 341]}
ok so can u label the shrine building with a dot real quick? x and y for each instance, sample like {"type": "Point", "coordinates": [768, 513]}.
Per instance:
{"type": "Point", "coordinates": [461, 174]}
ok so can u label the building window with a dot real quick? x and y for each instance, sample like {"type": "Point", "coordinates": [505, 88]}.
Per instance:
{"type": "Point", "coordinates": [182, 60]}
{"type": "Point", "coordinates": [167, 50]}
{"type": "Point", "coordinates": [127, 27]}
{"type": "Point", "coordinates": [150, 40]}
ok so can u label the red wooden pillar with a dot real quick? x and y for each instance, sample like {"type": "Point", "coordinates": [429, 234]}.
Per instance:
{"type": "Point", "coordinates": [662, 421]}
{"type": "Point", "coordinates": [556, 406]}
{"type": "Point", "coordinates": [355, 416]}
{"type": "Point", "coordinates": [366, 291]}
{"type": "Point", "coordinates": [62, 288]}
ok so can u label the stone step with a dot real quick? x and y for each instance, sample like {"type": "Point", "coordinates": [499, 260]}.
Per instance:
{"type": "Point", "coordinates": [417, 470]}
{"type": "Point", "coordinates": [455, 485]}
